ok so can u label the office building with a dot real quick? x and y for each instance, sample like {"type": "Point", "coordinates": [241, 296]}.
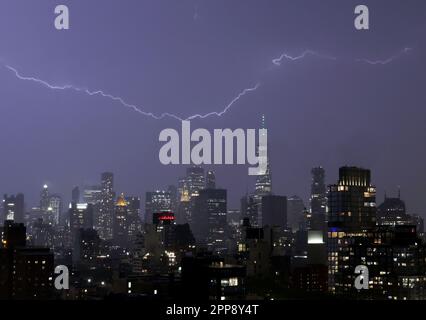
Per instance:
{"type": "Point", "coordinates": [351, 214]}
{"type": "Point", "coordinates": [156, 201]}
{"type": "Point", "coordinates": [210, 225]}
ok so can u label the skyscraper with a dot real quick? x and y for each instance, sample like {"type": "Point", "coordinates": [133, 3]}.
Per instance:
{"type": "Point", "coordinates": [55, 208]}
{"type": "Point", "coordinates": [263, 181]}
{"type": "Point", "coordinates": [44, 199]}
{"type": "Point", "coordinates": [121, 222]}
{"type": "Point", "coordinates": [156, 201]}
{"type": "Point", "coordinates": [250, 209]}
{"type": "Point", "coordinates": [318, 198]}
{"type": "Point", "coordinates": [188, 189]}
{"type": "Point", "coordinates": [352, 201]}
{"type": "Point", "coordinates": [392, 212]}
{"type": "Point", "coordinates": [80, 216]}
{"type": "Point", "coordinates": [104, 223]}
{"type": "Point", "coordinates": [351, 214]}
{"type": "Point", "coordinates": [134, 217]}
{"type": "Point", "coordinates": [75, 194]}
{"type": "Point", "coordinates": [210, 180]}
{"type": "Point", "coordinates": [195, 180]}
{"type": "Point", "coordinates": [263, 187]}
{"type": "Point", "coordinates": [173, 191]}
{"type": "Point", "coordinates": [295, 212]}
{"type": "Point", "coordinates": [92, 194]}
{"type": "Point", "coordinates": [209, 225]}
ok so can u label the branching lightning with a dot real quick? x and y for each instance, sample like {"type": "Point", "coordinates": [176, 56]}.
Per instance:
{"type": "Point", "coordinates": [132, 106]}
{"type": "Point", "coordinates": [304, 54]}
{"type": "Point", "coordinates": [277, 61]}
{"type": "Point", "coordinates": [388, 60]}
{"type": "Point", "coordinates": [219, 114]}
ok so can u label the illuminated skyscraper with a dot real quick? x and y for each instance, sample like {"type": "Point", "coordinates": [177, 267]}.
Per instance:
{"type": "Point", "coordinates": [55, 208]}
{"type": "Point", "coordinates": [104, 223]}
{"type": "Point", "coordinates": [195, 180]}
{"type": "Point", "coordinates": [352, 201]}
{"type": "Point", "coordinates": [392, 212]}
{"type": "Point", "coordinates": [263, 187]}
{"type": "Point", "coordinates": [189, 188]}
{"type": "Point", "coordinates": [263, 181]}
{"type": "Point", "coordinates": [121, 222]}
{"type": "Point", "coordinates": [80, 217]}
{"type": "Point", "coordinates": [44, 199]}
{"type": "Point", "coordinates": [92, 194]}
{"type": "Point", "coordinates": [184, 206]}
{"type": "Point", "coordinates": [134, 224]}
{"type": "Point", "coordinates": [351, 215]}
{"type": "Point", "coordinates": [156, 201]}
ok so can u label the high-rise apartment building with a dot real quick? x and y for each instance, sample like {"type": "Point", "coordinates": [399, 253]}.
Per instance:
{"type": "Point", "coordinates": [104, 223]}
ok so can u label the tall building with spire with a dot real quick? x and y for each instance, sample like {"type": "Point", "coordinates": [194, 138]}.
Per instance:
{"type": "Point", "coordinates": [44, 199]}
{"type": "Point", "coordinates": [188, 189]}
{"type": "Point", "coordinates": [121, 221]}
{"type": "Point", "coordinates": [251, 204]}
{"type": "Point", "coordinates": [263, 185]}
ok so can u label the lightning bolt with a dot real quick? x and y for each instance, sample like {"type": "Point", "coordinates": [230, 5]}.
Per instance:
{"type": "Point", "coordinates": [277, 61]}
{"type": "Point", "coordinates": [388, 60]}
{"type": "Point", "coordinates": [128, 105]}
{"type": "Point", "coordinates": [304, 54]}
{"type": "Point", "coordinates": [221, 113]}
{"type": "Point", "coordinates": [284, 56]}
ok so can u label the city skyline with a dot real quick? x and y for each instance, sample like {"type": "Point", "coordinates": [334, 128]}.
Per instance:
{"type": "Point", "coordinates": [251, 186]}
{"type": "Point", "coordinates": [203, 66]}
{"type": "Point", "coordinates": [87, 193]}
{"type": "Point", "coordinates": [187, 238]}
{"type": "Point", "coordinates": [238, 154]}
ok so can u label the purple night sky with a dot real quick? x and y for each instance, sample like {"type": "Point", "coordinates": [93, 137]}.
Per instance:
{"type": "Point", "coordinates": [195, 56]}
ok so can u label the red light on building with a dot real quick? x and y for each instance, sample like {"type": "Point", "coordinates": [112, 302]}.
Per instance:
{"type": "Point", "coordinates": [165, 217]}
{"type": "Point", "coordinates": [162, 218]}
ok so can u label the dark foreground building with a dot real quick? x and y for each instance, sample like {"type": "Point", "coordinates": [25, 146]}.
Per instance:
{"type": "Point", "coordinates": [208, 277]}
{"type": "Point", "coordinates": [25, 273]}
